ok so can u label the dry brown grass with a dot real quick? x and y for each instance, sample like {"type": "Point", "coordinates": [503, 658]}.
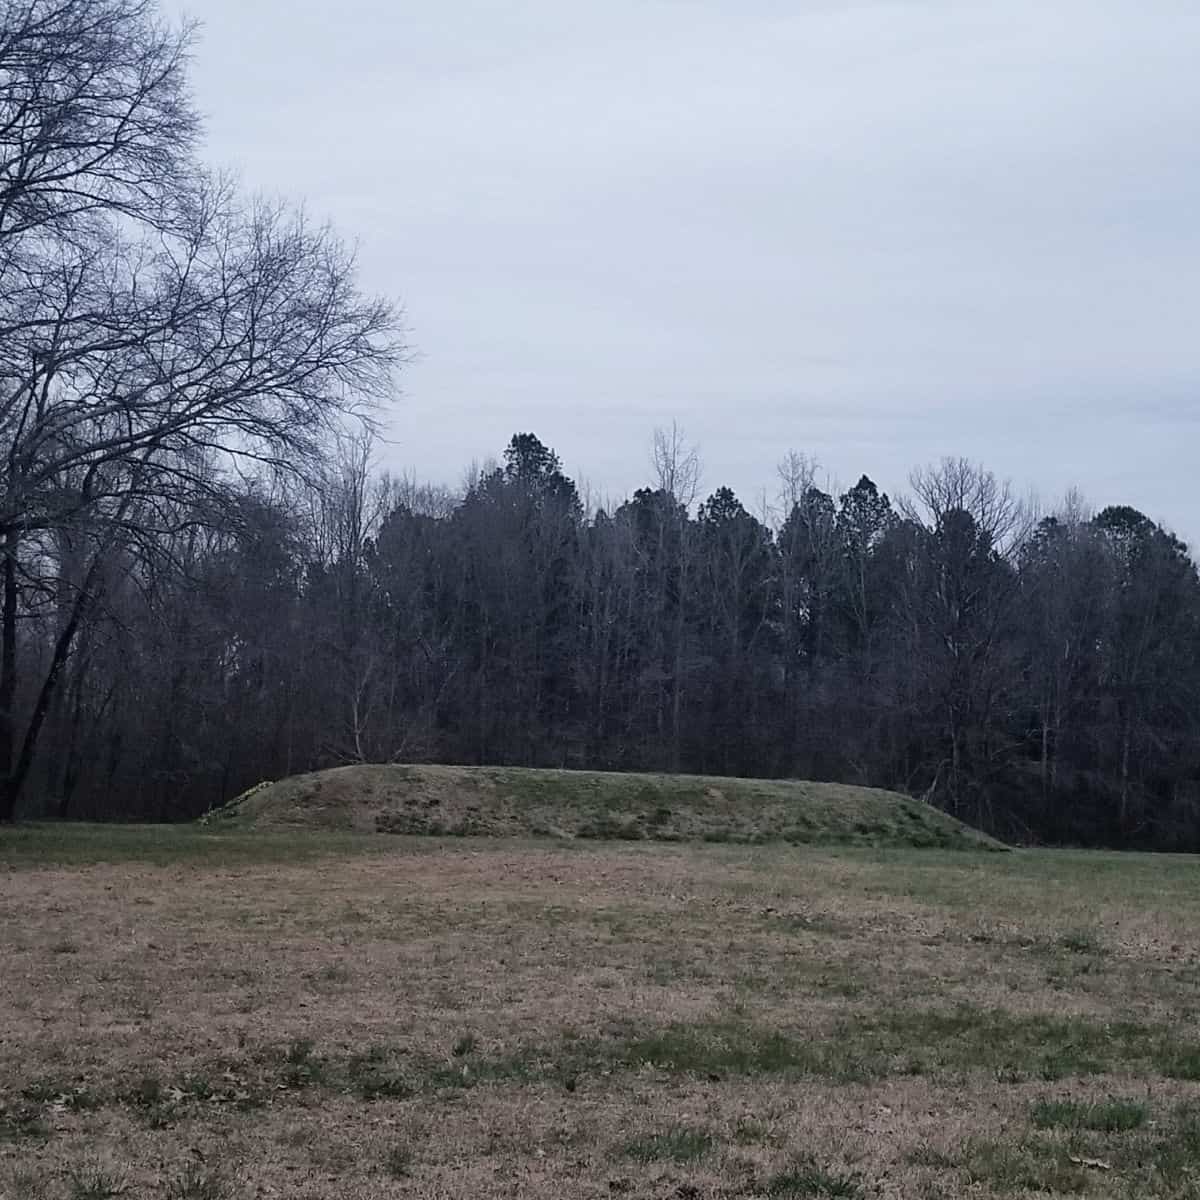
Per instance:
{"type": "Point", "coordinates": [474, 1019]}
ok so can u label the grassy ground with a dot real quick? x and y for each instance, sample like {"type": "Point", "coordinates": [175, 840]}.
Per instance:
{"type": "Point", "coordinates": [596, 805]}
{"type": "Point", "coordinates": [197, 1017]}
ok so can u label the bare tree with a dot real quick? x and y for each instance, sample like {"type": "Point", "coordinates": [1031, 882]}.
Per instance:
{"type": "Point", "coordinates": [677, 465]}
{"type": "Point", "coordinates": [959, 602]}
{"type": "Point", "coordinates": [95, 117]}
{"type": "Point", "coordinates": [423, 499]}
{"type": "Point", "coordinates": [797, 474]}
{"type": "Point", "coordinates": [678, 470]}
{"type": "Point", "coordinates": [158, 337]}
{"type": "Point", "coordinates": [958, 485]}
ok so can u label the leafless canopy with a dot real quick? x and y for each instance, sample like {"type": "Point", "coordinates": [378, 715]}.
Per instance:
{"type": "Point", "coordinates": [677, 465]}
{"type": "Point", "coordinates": [160, 335]}
{"type": "Point", "coordinates": [957, 485]}
{"type": "Point", "coordinates": [94, 112]}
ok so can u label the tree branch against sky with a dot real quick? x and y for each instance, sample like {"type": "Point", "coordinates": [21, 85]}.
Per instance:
{"type": "Point", "coordinates": [156, 328]}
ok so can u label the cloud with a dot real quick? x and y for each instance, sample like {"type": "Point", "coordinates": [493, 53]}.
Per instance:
{"type": "Point", "coordinates": [879, 232]}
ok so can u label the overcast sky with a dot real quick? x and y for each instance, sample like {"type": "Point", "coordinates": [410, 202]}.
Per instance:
{"type": "Point", "coordinates": [876, 232]}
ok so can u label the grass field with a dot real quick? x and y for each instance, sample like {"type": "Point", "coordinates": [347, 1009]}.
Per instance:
{"type": "Point", "coordinates": [195, 1016]}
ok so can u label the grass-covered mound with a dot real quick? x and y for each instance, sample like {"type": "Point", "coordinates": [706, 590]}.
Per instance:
{"type": "Point", "coordinates": [517, 801]}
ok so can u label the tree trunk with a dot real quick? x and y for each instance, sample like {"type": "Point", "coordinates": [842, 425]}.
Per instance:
{"type": "Point", "coordinates": [70, 773]}
{"type": "Point", "coordinates": [1124, 812]}
{"type": "Point", "coordinates": [677, 689]}
{"type": "Point", "coordinates": [8, 678]}
{"type": "Point", "coordinates": [19, 772]}
{"type": "Point", "coordinates": [1045, 755]}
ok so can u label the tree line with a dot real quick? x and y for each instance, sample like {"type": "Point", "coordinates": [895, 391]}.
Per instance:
{"type": "Point", "coordinates": [204, 583]}
{"type": "Point", "coordinates": [1038, 677]}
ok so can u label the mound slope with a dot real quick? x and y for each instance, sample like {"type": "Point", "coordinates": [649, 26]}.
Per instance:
{"type": "Point", "coordinates": [517, 801]}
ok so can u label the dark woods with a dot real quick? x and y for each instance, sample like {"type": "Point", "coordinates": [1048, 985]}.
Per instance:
{"type": "Point", "coordinates": [1039, 679]}
{"type": "Point", "coordinates": [203, 584]}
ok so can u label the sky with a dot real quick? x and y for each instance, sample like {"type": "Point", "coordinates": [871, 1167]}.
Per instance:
{"type": "Point", "coordinates": [876, 232]}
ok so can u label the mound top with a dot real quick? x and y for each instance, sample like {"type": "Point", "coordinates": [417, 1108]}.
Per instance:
{"type": "Point", "coordinates": [519, 802]}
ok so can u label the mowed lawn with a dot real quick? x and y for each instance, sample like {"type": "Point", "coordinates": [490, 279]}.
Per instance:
{"type": "Point", "coordinates": [202, 1016]}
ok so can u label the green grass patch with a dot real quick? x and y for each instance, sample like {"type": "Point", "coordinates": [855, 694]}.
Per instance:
{"type": "Point", "coordinates": [680, 1144]}
{"type": "Point", "coordinates": [147, 1092]}
{"type": "Point", "coordinates": [1023, 1165]}
{"type": "Point", "coordinates": [723, 1047]}
{"type": "Point", "coordinates": [1013, 1047]}
{"type": "Point", "coordinates": [197, 1183]}
{"type": "Point", "coordinates": [94, 1183]}
{"type": "Point", "coordinates": [384, 1083]}
{"type": "Point", "coordinates": [398, 1160]}
{"type": "Point", "coordinates": [1175, 1150]}
{"type": "Point", "coordinates": [22, 1121]}
{"type": "Point", "coordinates": [1113, 1115]}
{"type": "Point", "coordinates": [931, 1157]}
{"type": "Point", "coordinates": [301, 1067]}
{"type": "Point", "coordinates": [68, 844]}
{"type": "Point", "coordinates": [467, 1044]}
{"type": "Point", "coordinates": [1081, 941]}
{"type": "Point", "coordinates": [808, 1178]}
{"type": "Point", "coordinates": [1181, 1061]}
{"type": "Point", "coordinates": [861, 1049]}
{"type": "Point", "coordinates": [749, 1132]}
